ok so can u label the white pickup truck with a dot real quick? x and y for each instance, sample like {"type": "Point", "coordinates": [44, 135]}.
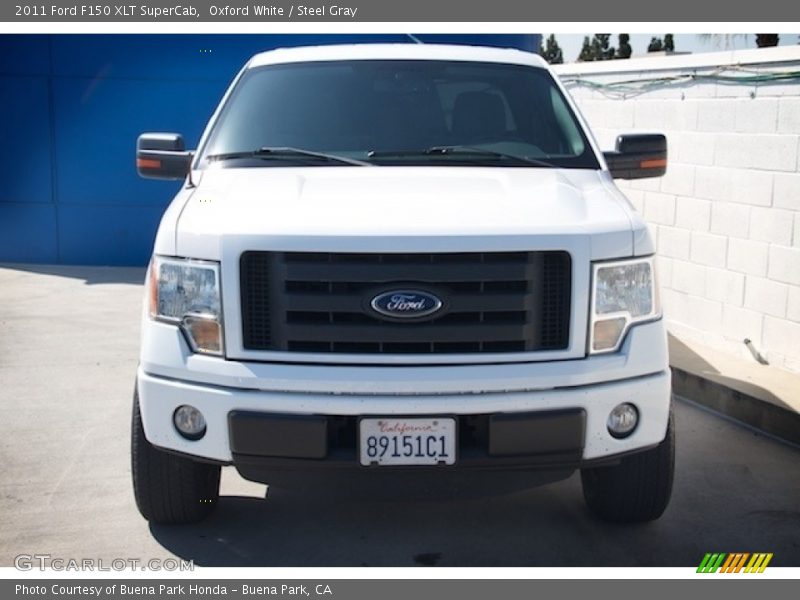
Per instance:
{"type": "Point", "coordinates": [401, 263]}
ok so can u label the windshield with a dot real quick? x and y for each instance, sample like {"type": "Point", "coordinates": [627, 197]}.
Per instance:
{"type": "Point", "coordinates": [397, 112]}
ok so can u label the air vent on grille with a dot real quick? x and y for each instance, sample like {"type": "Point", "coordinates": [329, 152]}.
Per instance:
{"type": "Point", "coordinates": [319, 302]}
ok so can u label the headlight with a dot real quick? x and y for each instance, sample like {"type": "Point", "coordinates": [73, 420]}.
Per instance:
{"type": "Point", "coordinates": [624, 293]}
{"type": "Point", "coordinates": [186, 292]}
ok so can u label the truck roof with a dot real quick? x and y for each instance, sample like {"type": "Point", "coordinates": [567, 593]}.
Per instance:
{"type": "Point", "coordinates": [405, 51]}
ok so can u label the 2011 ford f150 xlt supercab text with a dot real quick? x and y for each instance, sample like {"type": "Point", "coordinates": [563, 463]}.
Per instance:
{"type": "Point", "coordinates": [401, 262]}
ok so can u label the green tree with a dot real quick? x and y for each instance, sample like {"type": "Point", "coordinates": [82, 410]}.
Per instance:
{"type": "Point", "coordinates": [656, 45]}
{"type": "Point", "coordinates": [586, 50]}
{"type": "Point", "coordinates": [600, 47]}
{"type": "Point", "coordinates": [552, 52]}
{"type": "Point", "coordinates": [669, 43]}
{"type": "Point", "coordinates": [624, 50]}
{"type": "Point", "coordinates": [597, 48]}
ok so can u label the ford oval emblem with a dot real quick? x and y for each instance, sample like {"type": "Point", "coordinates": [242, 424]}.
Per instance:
{"type": "Point", "coordinates": [406, 304]}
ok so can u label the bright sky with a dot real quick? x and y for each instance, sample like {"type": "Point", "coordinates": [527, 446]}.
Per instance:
{"type": "Point", "coordinates": [684, 42]}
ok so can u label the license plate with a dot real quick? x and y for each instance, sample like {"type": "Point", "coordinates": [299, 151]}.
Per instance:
{"type": "Point", "coordinates": [394, 441]}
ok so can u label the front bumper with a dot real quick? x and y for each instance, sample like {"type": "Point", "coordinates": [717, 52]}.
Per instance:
{"type": "Point", "coordinates": [481, 393]}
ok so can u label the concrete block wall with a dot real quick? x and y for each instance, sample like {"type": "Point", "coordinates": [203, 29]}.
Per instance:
{"type": "Point", "coordinates": [726, 216]}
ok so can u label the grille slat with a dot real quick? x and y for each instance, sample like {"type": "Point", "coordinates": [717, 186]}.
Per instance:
{"type": "Point", "coordinates": [338, 302]}
{"type": "Point", "coordinates": [425, 272]}
{"type": "Point", "coordinates": [319, 302]}
{"type": "Point", "coordinates": [405, 333]}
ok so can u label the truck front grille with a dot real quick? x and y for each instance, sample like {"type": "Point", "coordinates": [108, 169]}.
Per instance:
{"type": "Point", "coordinates": [320, 302]}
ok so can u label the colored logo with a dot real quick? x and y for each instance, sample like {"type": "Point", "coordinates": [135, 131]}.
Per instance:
{"type": "Point", "coordinates": [406, 304]}
{"type": "Point", "coordinates": [736, 562]}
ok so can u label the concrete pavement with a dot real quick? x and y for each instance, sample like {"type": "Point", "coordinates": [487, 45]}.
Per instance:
{"type": "Point", "coordinates": [68, 353]}
{"type": "Point", "coordinates": [760, 395]}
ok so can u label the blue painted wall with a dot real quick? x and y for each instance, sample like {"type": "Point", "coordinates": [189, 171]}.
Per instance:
{"type": "Point", "coordinates": [72, 107]}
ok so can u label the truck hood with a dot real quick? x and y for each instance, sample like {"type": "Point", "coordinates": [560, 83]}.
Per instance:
{"type": "Point", "coordinates": [355, 209]}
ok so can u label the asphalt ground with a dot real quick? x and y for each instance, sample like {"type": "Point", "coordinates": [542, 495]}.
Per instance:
{"type": "Point", "coordinates": [68, 353]}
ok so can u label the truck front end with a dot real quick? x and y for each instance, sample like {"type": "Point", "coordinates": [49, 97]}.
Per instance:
{"type": "Point", "coordinates": [423, 274]}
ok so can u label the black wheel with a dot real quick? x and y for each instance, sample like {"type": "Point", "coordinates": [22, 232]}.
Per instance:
{"type": "Point", "coordinates": [169, 489]}
{"type": "Point", "coordinates": [636, 490]}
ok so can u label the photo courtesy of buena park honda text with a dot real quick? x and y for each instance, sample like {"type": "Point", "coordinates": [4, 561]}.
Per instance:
{"type": "Point", "coordinates": [382, 299]}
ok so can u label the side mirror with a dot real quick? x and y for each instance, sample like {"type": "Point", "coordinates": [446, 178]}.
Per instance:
{"type": "Point", "coordinates": [162, 156]}
{"type": "Point", "coordinates": [638, 155]}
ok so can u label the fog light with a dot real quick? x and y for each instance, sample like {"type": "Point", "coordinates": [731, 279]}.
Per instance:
{"type": "Point", "coordinates": [189, 422]}
{"type": "Point", "coordinates": [622, 420]}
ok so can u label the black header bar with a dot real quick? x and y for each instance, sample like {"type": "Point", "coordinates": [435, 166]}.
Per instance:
{"type": "Point", "coordinates": [441, 11]}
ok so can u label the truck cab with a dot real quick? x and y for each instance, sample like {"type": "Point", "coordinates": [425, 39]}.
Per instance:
{"type": "Point", "coordinates": [401, 262]}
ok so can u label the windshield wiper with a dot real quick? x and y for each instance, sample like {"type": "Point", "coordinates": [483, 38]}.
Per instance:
{"type": "Point", "coordinates": [282, 152]}
{"type": "Point", "coordinates": [461, 152]}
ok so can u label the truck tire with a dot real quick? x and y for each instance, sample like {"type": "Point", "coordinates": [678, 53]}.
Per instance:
{"type": "Point", "coordinates": [169, 489]}
{"type": "Point", "coordinates": [636, 490]}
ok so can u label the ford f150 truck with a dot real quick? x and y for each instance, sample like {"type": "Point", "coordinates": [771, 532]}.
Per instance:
{"type": "Point", "coordinates": [401, 263]}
